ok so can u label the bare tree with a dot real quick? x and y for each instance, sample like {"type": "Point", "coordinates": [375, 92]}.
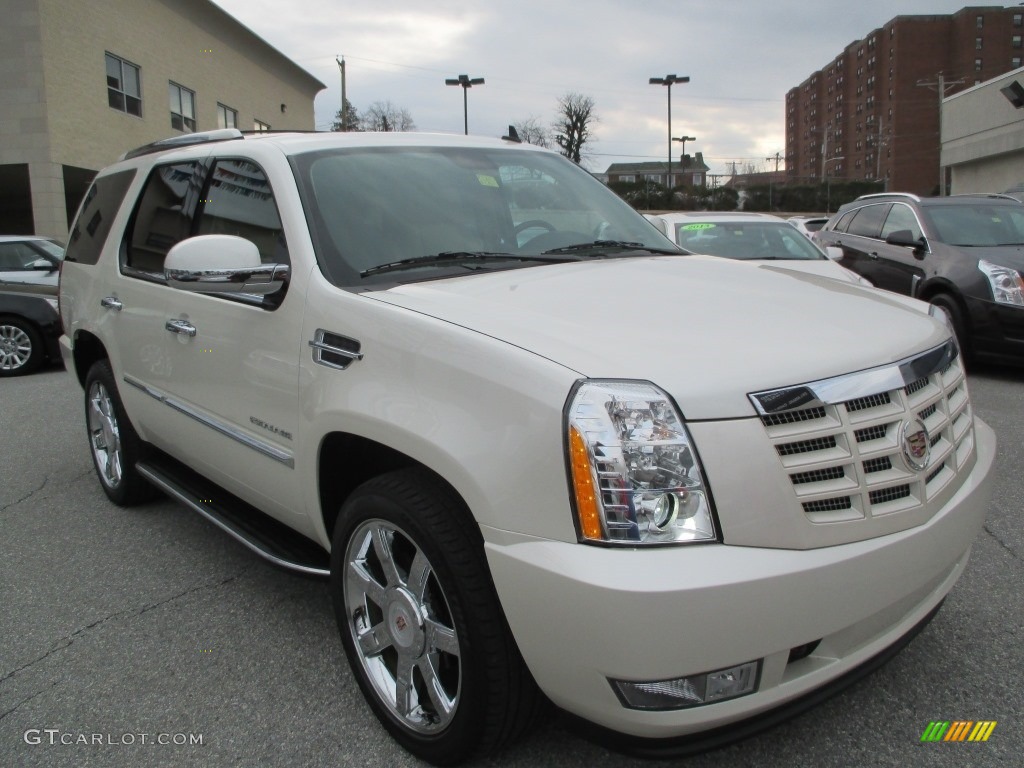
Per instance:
{"type": "Point", "coordinates": [385, 116]}
{"type": "Point", "coordinates": [531, 131]}
{"type": "Point", "coordinates": [573, 127]}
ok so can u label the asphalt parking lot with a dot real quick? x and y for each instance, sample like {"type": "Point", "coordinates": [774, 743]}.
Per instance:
{"type": "Point", "coordinates": [146, 637]}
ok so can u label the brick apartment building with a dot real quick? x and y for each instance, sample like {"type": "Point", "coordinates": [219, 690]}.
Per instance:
{"type": "Point", "coordinates": [873, 111]}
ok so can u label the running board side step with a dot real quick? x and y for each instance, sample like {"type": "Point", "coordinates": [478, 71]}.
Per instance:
{"type": "Point", "coordinates": [267, 537]}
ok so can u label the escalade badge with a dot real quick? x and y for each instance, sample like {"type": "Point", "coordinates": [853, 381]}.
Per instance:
{"type": "Point", "coordinates": [916, 444]}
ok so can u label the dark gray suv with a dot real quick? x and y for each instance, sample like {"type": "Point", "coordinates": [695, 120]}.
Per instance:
{"type": "Point", "coordinates": [963, 253]}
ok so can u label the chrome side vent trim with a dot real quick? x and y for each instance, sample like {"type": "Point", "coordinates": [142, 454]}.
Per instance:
{"type": "Point", "coordinates": [334, 350]}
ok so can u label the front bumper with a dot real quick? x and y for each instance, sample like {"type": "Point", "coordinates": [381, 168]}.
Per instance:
{"type": "Point", "coordinates": [997, 331]}
{"type": "Point", "coordinates": [582, 615]}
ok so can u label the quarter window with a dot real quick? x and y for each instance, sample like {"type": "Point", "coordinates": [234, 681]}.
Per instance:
{"type": "Point", "coordinates": [123, 91]}
{"type": "Point", "coordinates": [260, 127]}
{"type": "Point", "coordinates": [92, 225]}
{"type": "Point", "coordinates": [183, 108]}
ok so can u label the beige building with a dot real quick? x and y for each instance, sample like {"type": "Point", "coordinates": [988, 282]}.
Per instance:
{"type": "Point", "coordinates": [86, 80]}
{"type": "Point", "coordinates": [983, 136]}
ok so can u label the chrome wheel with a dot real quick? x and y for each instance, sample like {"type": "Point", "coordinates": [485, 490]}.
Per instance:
{"type": "Point", "coordinates": [401, 627]}
{"type": "Point", "coordinates": [15, 348]}
{"type": "Point", "coordinates": [104, 435]}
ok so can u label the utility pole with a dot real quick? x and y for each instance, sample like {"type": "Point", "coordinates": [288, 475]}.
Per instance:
{"type": "Point", "coordinates": [344, 97]}
{"type": "Point", "coordinates": [941, 85]}
{"type": "Point", "coordinates": [777, 158]}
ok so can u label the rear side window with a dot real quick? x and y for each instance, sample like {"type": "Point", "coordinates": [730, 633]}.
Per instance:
{"type": "Point", "coordinates": [96, 214]}
{"type": "Point", "coordinates": [844, 221]}
{"type": "Point", "coordinates": [868, 221]}
{"type": "Point", "coordinates": [164, 214]}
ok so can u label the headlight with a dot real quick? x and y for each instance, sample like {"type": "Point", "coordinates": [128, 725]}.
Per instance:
{"type": "Point", "coordinates": [634, 472]}
{"type": "Point", "coordinates": [1007, 286]}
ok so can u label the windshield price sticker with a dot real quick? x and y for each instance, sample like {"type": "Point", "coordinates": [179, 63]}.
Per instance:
{"type": "Point", "coordinates": [694, 227]}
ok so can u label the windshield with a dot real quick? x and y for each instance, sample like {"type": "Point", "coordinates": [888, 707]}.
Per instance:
{"type": "Point", "coordinates": [746, 240]}
{"type": "Point", "coordinates": [51, 247]}
{"type": "Point", "coordinates": [377, 206]}
{"type": "Point", "coordinates": [978, 225]}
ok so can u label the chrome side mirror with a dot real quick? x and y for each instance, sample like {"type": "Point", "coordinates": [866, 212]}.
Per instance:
{"type": "Point", "coordinates": [222, 264]}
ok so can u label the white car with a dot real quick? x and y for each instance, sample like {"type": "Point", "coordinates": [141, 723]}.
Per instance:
{"type": "Point", "coordinates": [808, 225]}
{"type": "Point", "coordinates": [541, 453]}
{"type": "Point", "coordinates": [757, 238]}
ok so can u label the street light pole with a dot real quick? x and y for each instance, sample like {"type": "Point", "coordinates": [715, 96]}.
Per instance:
{"type": "Point", "coordinates": [682, 152]}
{"type": "Point", "coordinates": [466, 82]}
{"type": "Point", "coordinates": [668, 81]}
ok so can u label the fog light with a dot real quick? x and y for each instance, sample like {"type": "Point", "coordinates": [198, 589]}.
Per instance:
{"type": "Point", "coordinates": [691, 691]}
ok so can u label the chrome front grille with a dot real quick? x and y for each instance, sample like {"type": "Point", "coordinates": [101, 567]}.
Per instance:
{"type": "Point", "coordinates": [850, 453]}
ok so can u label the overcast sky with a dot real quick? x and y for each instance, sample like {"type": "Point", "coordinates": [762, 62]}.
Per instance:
{"type": "Point", "coordinates": [741, 56]}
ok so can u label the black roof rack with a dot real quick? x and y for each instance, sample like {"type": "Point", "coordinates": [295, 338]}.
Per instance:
{"type": "Point", "coordinates": [185, 140]}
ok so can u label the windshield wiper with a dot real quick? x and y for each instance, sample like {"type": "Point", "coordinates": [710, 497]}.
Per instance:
{"type": "Point", "coordinates": [452, 257]}
{"type": "Point", "coordinates": [596, 245]}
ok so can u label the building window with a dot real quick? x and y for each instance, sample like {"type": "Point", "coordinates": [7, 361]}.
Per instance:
{"type": "Point", "coordinates": [123, 92]}
{"type": "Point", "coordinates": [183, 108]}
{"type": "Point", "coordinates": [977, 65]}
{"type": "Point", "coordinates": [1018, 19]}
{"type": "Point", "coordinates": [977, 43]}
{"type": "Point", "coordinates": [226, 117]}
{"type": "Point", "coordinates": [260, 126]}
{"type": "Point", "coordinates": [628, 178]}
{"type": "Point", "coordinates": [1015, 62]}
{"type": "Point", "coordinates": [981, 22]}
{"type": "Point", "coordinates": [1015, 41]}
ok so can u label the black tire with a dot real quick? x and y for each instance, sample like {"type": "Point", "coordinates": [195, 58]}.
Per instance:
{"type": "Point", "coordinates": [114, 445]}
{"type": "Point", "coordinates": [483, 695]}
{"type": "Point", "coordinates": [956, 317]}
{"type": "Point", "coordinates": [21, 346]}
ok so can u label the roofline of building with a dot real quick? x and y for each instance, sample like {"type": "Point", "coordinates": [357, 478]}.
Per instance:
{"type": "Point", "coordinates": [207, 6]}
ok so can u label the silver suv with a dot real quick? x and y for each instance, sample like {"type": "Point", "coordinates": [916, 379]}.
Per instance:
{"type": "Point", "coordinates": [541, 454]}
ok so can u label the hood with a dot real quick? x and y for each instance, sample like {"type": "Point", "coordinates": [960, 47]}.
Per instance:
{"type": "Point", "coordinates": [707, 330]}
{"type": "Point", "coordinates": [820, 267]}
{"type": "Point", "coordinates": [1011, 256]}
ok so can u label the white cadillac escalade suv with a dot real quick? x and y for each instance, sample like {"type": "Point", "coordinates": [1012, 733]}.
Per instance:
{"type": "Point", "coordinates": [541, 453]}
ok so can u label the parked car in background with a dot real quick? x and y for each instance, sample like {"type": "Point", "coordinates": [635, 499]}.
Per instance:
{"type": "Point", "coordinates": [759, 238]}
{"type": "Point", "coordinates": [963, 253]}
{"type": "Point", "coordinates": [808, 225]}
{"type": "Point", "coordinates": [29, 323]}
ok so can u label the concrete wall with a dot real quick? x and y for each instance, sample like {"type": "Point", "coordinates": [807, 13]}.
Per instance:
{"type": "Point", "coordinates": [53, 93]}
{"type": "Point", "coordinates": [983, 137]}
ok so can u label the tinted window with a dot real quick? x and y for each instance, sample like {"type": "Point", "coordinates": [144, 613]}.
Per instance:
{"type": "Point", "coordinates": [92, 225]}
{"type": "Point", "coordinates": [239, 202]}
{"type": "Point", "coordinates": [164, 214]}
{"type": "Point", "coordinates": [844, 221]}
{"type": "Point", "coordinates": [901, 217]}
{"type": "Point", "coordinates": [868, 221]}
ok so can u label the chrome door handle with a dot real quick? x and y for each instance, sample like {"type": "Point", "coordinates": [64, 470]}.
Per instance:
{"type": "Point", "coordinates": [182, 327]}
{"type": "Point", "coordinates": [112, 302]}
{"type": "Point", "coordinates": [873, 254]}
